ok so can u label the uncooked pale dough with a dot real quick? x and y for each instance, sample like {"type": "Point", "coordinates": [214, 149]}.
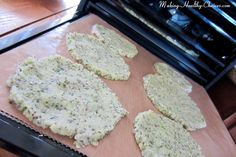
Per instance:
{"type": "Point", "coordinates": [116, 42]}
{"type": "Point", "coordinates": [175, 76]}
{"type": "Point", "coordinates": [173, 102]}
{"type": "Point", "coordinates": [158, 136]}
{"type": "Point", "coordinates": [96, 56]}
{"type": "Point", "coordinates": [55, 93]}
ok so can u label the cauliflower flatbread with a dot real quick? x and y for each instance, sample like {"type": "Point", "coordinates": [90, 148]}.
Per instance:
{"type": "Point", "coordinates": [173, 101]}
{"type": "Point", "coordinates": [158, 136]}
{"type": "Point", "coordinates": [55, 93]}
{"type": "Point", "coordinates": [96, 56]}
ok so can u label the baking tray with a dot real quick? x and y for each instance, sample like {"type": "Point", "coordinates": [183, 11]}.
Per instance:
{"type": "Point", "coordinates": [214, 140]}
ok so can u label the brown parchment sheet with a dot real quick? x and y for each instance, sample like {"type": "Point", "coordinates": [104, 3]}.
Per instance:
{"type": "Point", "coordinates": [214, 140]}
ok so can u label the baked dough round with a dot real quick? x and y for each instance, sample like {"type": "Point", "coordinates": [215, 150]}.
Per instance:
{"type": "Point", "coordinates": [175, 76]}
{"type": "Point", "coordinates": [97, 56]}
{"type": "Point", "coordinates": [158, 136]}
{"type": "Point", "coordinates": [55, 93]}
{"type": "Point", "coordinates": [173, 102]}
{"type": "Point", "coordinates": [115, 42]}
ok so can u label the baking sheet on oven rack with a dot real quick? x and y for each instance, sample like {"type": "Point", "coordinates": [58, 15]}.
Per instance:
{"type": "Point", "coordinates": [214, 140]}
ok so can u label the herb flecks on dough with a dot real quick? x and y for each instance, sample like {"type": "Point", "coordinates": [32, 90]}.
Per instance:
{"type": "Point", "coordinates": [157, 135]}
{"type": "Point", "coordinates": [55, 93]}
{"type": "Point", "coordinates": [173, 102]}
{"type": "Point", "coordinates": [97, 56]}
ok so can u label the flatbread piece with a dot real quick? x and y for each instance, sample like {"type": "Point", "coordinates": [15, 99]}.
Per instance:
{"type": "Point", "coordinates": [96, 56]}
{"type": "Point", "coordinates": [173, 101]}
{"type": "Point", "coordinates": [158, 136]}
{"type": "Point", "coordinates": [55, 93]}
